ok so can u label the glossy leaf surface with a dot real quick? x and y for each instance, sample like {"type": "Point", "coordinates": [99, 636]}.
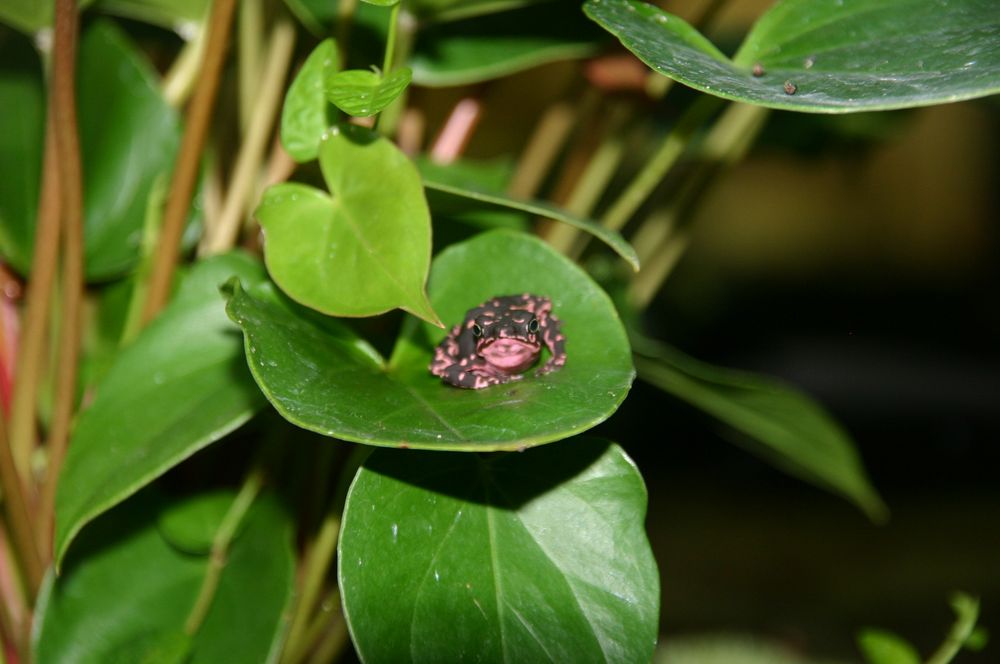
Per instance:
{"type": "Point", "coordinates": [365, 249]}
{"type": "Point", "coordinates": [125, 593]}
{"type": "Point", "coordinates": [321, 377]}
{"type": "Point", "coordinates": [486, 47]}
{"type": "Point", "coordinates": [826, 57]}
{"type": "Point", "coordinates": [793, 431]}
{"type": "Point", "coordinates": [533, 557]}
{"type": "Point", "coordinates": [189, 363]}
{"type": "Point", "coordinates": [22, 113]}
{"type": "Point", "coordinates": [609, 237]}
{"type": "Point", "coordinates": [363, 93]}
{"type": "Point", "coordinates": [304, 117]}
{"type": "Point", "coordinates": [128, 138]}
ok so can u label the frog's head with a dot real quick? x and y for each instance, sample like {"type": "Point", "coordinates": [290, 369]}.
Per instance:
{"type": "Point", "coordinates": [509, 341]}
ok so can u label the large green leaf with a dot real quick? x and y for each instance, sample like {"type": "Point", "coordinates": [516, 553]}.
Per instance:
{"type": "Point", "coordinates": [180, 386]}
{"type": "Point", "coordinates": [609, 237]}
{"type": "Point", "coordinates": [826, 57]}
{"type": "Point", "coordinates": [793, 431]}
{"type": "Point", "coordinates": [487, 47]}
{"type": "Point", "coordinates": [22, 116]}
{"type": "Point", "coordinates": [534, 557]}
{"type": "Point", "coordinates": [304, 115]}
{"type": "Point", "coordinates": [128, 138]}
{"type": "Point", "coordinates": [125, 593]}
{"type": "Point", "coordinates": [366, 249]}
{"type": "Point", "coordinates": [320, 377]}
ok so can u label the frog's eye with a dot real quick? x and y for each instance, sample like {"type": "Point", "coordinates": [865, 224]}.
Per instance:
{"type": "Point", "coordinates": [533, 325]}
{"type": "Point", "coordinates": [477, 331]}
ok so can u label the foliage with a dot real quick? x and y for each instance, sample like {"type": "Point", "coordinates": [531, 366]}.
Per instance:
{"type": "Point", "coordinates": [216, 445]}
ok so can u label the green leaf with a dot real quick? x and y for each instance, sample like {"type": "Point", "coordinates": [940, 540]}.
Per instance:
{"type": "Point", "coordinates": [22, 114]}
{"type": "Point", "coordinates": [366, 249]}
{"type": "Point", "coordinates": [129, 136]}
{"type": "Point", "coordinates": [26, 15]}
{"type": "Point", "coordinates": [609, 237]}
{"type": "Point", "coordinates": [188, 363]}
{"type": "Point", "coordinates": [363, 93]}
{"type": "Point", "coordinates": [125, 593]}
{"type": "Point", "coordinates": [165, 13]}
{"type": "Point", "coordinates": [303, 117]}
{"type": "Point", "coordinates": [189, 523]}
{"type": "Point", "coordinates": [883, 647]}
{"type": "Point", "coordinates": [826, 57]}
{"type": "Point", "coordinates": [382, 3]}
{"type": "Point", "coordinates": [499, 44]}
{"type": "Point", "coordinates": [794, 432]}
{"type": "Point", "coordinates": [320, 377]}
{"type": "Point", "coordinates": [527, 557]}
{"type": "Point", "coordinates": [729, 648]}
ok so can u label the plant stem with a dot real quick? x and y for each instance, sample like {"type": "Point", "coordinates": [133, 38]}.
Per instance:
{"type": "Point", "coordinates": [220, 547]}
{"type": "Point", "coordinates": [32, 348]}
{"type": "Point", "coordinates": [967, 610]}
{"type": "Point", "coordinates": [186, 172]}
{"type": "Point", "coordinates": [399, 43]}
{"type": "Point", "coordinates": [345, 19]}
{"type": "Point", "coordinates": [16, 510]}
{"type": "Point", "coordinates": [390, 41]}
{"type": "Point", "coordinates": [333, 642]}
{"type": "Point", "coordinates": [660, 163]}
{"type": "Point", "coordinates": [250, 28]}
{"type": "Point", "coordinates": [180, 78]}
{"type": "Point", "coordinates": [71, 186]}
{"type": "Point", "coordinates": [222, 236]}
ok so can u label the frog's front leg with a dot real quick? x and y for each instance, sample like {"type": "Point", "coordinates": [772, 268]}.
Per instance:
{"type": "Point", "coordinates": [475, 375]}
{"type": "Point", "coordinates": [555, 341]}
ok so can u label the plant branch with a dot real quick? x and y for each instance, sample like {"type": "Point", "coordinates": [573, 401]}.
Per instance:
{"type": "Point", "coordinates": [16, 510]}
{"type": "Point", "coordinates": [220, 547]}
{"type": "Point", "coordinates": [222, 236]}
{"type": "Point", "coordinates": [32, 348]}
{"type": "Point", "coordinates": [186, 172]}
{"type": "Point", "coordinates": [251, 30]}
{"type": "Point", "coordinates": [180, 78]}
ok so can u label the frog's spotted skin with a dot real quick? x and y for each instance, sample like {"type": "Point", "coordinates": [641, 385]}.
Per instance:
{"type": "Point", "coordinates": [498, 341]}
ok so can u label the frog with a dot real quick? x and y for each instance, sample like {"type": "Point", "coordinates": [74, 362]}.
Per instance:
{"type": "Point", "coordinates": [498, 341]}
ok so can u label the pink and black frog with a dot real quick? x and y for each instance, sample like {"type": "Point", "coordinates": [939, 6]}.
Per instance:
{"type": "Point", "coordinates": [498, 341]}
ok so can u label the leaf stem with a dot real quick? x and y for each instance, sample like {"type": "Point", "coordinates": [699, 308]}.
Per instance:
{"type": "Point", "coordinates": [180, 78]}
{"type": "Point", "coordinates": [966, 613]}
{"type": "Point", "coordinates": [248, 492]}
{"type": "Point", "coordinates": [71, 186]}
{"type": "Point", "coordinates": [16, 510]}
{"type": "Point", "coordinates": [250, 29]}
{"type": "Point", "coordinates": [346, 9]}
{"type": "Point", "coordinates": [186, 172]}
{"type": "Point", "coordinates": [33, 348]}
{"type": "Point", "coordinates": [222, 236]}
{"type": "Point", "coordinates": [390, 41]}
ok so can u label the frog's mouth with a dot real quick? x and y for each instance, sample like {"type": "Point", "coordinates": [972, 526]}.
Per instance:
{"type": "Point", "coordinates": [510, 355]}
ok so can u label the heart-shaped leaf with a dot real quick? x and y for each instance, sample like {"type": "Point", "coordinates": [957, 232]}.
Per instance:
{"type": "Point", "coordinates": [320, 377]}
{"type": "Point", "coordinates": [366, 249]}
{"type": "Point", "coordinates": [364, 93]}
{"type": "Point", "coordinates": [482, 48]}
{"type": "Point", "coordinates": [125, 593]}
{"type": "Point", "coordinates": [609, 237]}
{"type": "Point", "coordinates": [826, 57]}
{"type": "Point", "coordinates": [793, 431]}
{"type": "Point", "coordinates": [527, 557]}
{"type": "Point", "coordinates": [189, 364]}
{"type": "Point", "coordinates": [303, 117]}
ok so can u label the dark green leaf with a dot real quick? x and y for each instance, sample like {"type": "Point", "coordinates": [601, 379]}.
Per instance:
{"type": "Point", "coordinates": [320, 377]}
{"type": "Point", "coordinates": [830, 57]}
{"type": "Point", "coordinates": [188, 363]}
{"type": "Point", "coordinates": [794, 431]}
{"type": "Point", "coordinates": [883, 647]}
{"type": "Point", "coordinates": [366, 249]}
{"type": "Point", "coordinates": [499, 44]}
{"type": "Point", "coordinates": [166, 13]}
{"type": "Point", "coordinates": [303, 117]}
{"type": "Point", "coordinates": [26, 15]}
{"type": "Point", "coordinates": [534, 557]}
{"type": "Point", "coordinates": [611, 238]}
{"type": "Point", "coordinates": [363, 93]}
{"type": "Point", "coordinates": [128, 138]}
{"type": "Point", "coordinates": [22, 117]}
{"type": "Point", "coordinates": [125, 593]}
{"type": "Point", "coordinates": [382, 3]}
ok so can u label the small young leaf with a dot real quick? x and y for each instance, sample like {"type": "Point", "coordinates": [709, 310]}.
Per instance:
{"type": "Point", "coordinates": [533, 557]}
{"type": "Point", "coordinates": [884, 647]}
{"type": "Point", "coordinates": [366, 249]}
{"type": "Point", "coordinates": [795, 432]}
{"type": "Point", "coordinates": [303, 118]}
{"type": "Point", "coordinates": [364, 93]}
{"type": "Point", "coordinates": [314, 371]}
{"type": "Point", "coordinates": [189, 364]}
{"type": "Point", "coordinates": [826, 57]}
